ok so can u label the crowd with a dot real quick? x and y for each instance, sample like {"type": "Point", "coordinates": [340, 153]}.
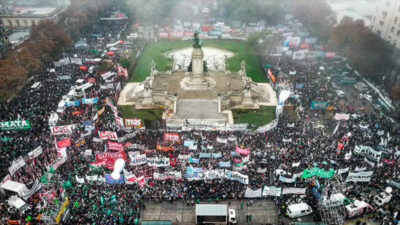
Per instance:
{"type": "Point", "coordinates": [195, 165]}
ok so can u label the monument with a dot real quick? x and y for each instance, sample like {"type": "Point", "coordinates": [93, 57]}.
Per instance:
{"type": "Point", "coordinates": [196, 94]}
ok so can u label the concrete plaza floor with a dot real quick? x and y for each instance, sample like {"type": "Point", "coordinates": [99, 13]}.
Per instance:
{"type": "Point", "coordinates": [262, 211]}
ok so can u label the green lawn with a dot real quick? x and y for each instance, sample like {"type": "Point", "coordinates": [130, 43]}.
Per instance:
{"type": "Point", "coordinates": [156, 52]}
{"type": "Point", "coordinates": [128, 111]}
{"type": "Point", "coordinates": [258, 117]}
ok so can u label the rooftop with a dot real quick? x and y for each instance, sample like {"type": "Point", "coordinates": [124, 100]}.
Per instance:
{"type": "Point", "coordinates": [33, 11]}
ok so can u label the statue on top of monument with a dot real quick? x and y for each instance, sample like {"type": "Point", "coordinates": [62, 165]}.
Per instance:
{"type": "Point", "coordinates": [196, 40]}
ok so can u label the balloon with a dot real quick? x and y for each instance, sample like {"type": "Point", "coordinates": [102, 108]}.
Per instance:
{"type": "Point", "coordinates": [101, 200]}
{"type": "Point", "coordinates": [118, 167]}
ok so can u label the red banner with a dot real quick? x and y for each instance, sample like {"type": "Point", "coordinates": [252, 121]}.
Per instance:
{"type": "Point", "coordinates": [110, 157]}
{"type": "Point", "coordinates": [115, 146]}
{"type": "Point", "coordinates": [133, 122]}
{"type": "Point", "coordinates": [83, 68]}
{"type": "Point", "coordinates": [64, 143]}
{"type": "Point", "coordinates": [172, 137]}
{"type": "Point", "coordinates": [108, 135]}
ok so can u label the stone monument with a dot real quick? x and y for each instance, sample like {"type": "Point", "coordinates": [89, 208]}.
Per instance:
{"type": "Point", "coordinates": [198, 96]}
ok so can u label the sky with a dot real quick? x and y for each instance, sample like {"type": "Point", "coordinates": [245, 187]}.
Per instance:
{"type": "Point", "coordinates": [358, 9]}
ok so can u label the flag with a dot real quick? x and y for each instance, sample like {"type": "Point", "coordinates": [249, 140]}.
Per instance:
{"type": "Point", "coordinates": [96, 165]}
{"type": "Point", "coordinates": [83, 68]}
{"type": "Point", "coordinates": [271, 76]}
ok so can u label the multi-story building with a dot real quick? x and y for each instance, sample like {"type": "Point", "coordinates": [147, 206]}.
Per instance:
{"type": "Point", "coordinates": [24, 16]}
{"type": "Point", "coordinates": [386, 21]}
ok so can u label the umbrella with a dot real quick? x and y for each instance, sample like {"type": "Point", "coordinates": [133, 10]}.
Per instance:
{"type": "Point", "coordinates": [110, 53]}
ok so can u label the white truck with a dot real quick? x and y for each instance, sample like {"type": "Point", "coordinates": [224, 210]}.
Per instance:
{"type": "Point", "coordinates": [357, 208]}
{"type": "Point", "coordinates": [384, 197]}
{"type": "Point", "coordinates": [16, 204]}
{"type": "Point", "coordinates": [298, 210]}
{"type": "Point", "coordinates": [214, 214]}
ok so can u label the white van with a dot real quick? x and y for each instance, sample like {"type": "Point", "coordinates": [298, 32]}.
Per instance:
{"type": "Point", "coordinates": [382, 198]}
{"type": "Point", "coordinates": [232, 216]}
{"type": "Point", "coordinates": [357, 209]}
{"type": "Point", "coordinates": [298, 210]}
{"type": "Point", "coordinates": [71, 94]}
{"type": "Point", "coordinates": [335, 200]}
{"type": "Point", "coordinates": [16, 203]}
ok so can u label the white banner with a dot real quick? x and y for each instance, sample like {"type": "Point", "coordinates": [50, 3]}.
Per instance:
{"type": "Point", "coordinates": [211, 174]}
{"type": "Point", "coordinates": [88, 152]}
{"type": "Point", "coordinates": [35, 153]}
{"type": "Point", "coordinates": [158, 162]}
{"type": "Point", "coordinates": [61, 130]}
{"type": "Point", "coordinates": [296, 164]}
{"type": "Point", "coordinates": [345, 170]}
{"type": "Point", "coordinates": [28, 193]}
{"type": "Point", "coordinates": [294, 191]}
{"type": "Point", "coordinates": [222, 140]}
{"type": "Point", "coordinates": [359, 177]}
{"type": "Point", "coordinates": [368, 152]}
{"type": "Point", "coordinates": [253, 194]}
{"type": "Point", "coordinates": [79, 180]}
{"type": "Point", "coordinates": [138, 159]}
{"type": "Point", "coordinates": [16, 165]}
{"type": "Point", "coordinates": [232, 175]}
{"type": "Point", "coordinates": [167, 175]}
{"type": "Point", "coordinates": [272, 191]}
{"type": "Point", "coordinates": [91, 178]}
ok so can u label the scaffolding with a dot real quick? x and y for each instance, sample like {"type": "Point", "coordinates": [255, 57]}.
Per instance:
{"type": "Point", "coordinates": [52, 203]}
{"type": "Point", "coordinates": [331, 212]}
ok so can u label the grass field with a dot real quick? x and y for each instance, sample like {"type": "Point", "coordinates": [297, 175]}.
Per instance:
{"type": "Point", "coordinates": [156, 52]}
{"type": "Point", "coordinates": [128, 111]}
{"type": "Point", "coordinates": [253, 117]}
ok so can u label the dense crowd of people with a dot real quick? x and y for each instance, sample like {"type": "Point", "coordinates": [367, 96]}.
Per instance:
{"type": "Point", "coordinates": [303, 139]}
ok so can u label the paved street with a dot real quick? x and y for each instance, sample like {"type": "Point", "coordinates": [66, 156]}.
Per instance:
{"type": "Point", "coordinates": [263, 212]}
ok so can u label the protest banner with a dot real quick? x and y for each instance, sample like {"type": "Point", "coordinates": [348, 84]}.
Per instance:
{"type": "Point", "coordinates": [158, 162]}
{"type": "Point", "coordinates": [188, 143]}
{"type": "Point", "coordinates": [367, 152]}
{"type": "Point", "coordinates": [167, 176]}
{"type": "Point", "coordinates": [111, 180]}
{"type": "Point", "coordinates": [171, 137]}
{"type": "Point", "coordinates": [89, 101]}
{"type": "Point", "coordinates": [62, 152]}
{"type": "Point", "coordinates": [317, 172]}
{"type": "Point", "coordinates": [243, 151]}
{"type": "Point", "coordinates": [222, 140]}
{"type": "Point", "coordinates": [253, 194]}
{"type": "Point", "coordinates": [342, 116]}
{"type": "Point", "coordinates": [359, 177]}
{"type": "Point", "coordinates": [318, 105]}
{"type": "Point", "coordinates": [64, 143]}
{"type": "Point", "coordinates": [232, 175]}
{"type": "Point", "coordinates": [109, 158]}
{"type": "Point", "coordinates": [79, 179]}
{"type": "Point", "coordinates": [272, 191]}
{"type": "Point", "coordinates": [108, 135]}
{"type": "Point", "coordinates": [61, 130]}
{"type": "Point", "coordinates": [138, 160]}
{"type": "Point", "coordinates": [35, 153]}
{"type": "Point", "coordinates": [133, 122]}
{"type": "Point", "coordinates": [15, 125]}
{"type": "Point", "coordinates": [224, 164]}
{"type": "Point", "coordinates": [294, 191]}
{"type": "Point", "coordinates": [115, 146]}
{"type": "Point", "coordinates": [16, 165]}
{"type": "Point", "coordinates": [345, 170]}
{"type": "Point", "coordinates": [62, 209]}
{"type": "Point", "coordinates": [211, 174]}
{"type": "Point", "coordinates": [287, 180]}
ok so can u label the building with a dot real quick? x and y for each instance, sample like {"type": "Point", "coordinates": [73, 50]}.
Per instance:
{"type": "Point", "coordinates": [385, 21]}
{"type": "Point", "coordinates": [25, 17]}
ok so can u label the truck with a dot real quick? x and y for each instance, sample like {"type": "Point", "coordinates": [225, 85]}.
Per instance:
{"type": "Point", "coordinates": [213, 214]}
{"type": "Point", "coordinates": [357, 209]}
